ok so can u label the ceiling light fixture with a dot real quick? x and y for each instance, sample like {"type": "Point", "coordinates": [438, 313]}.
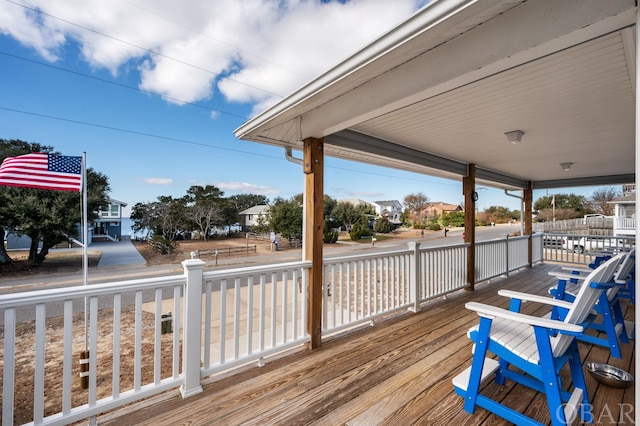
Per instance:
{"type": "Point", "coordinates": [566, 166]}
{"type": "Point", "coordinates": [514, 136]}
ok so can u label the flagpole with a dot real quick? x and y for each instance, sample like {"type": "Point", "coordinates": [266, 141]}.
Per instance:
{"type": "Point", "coordinates": [85, 241]}
{"type": "Point", "coordinates": [84, 355]}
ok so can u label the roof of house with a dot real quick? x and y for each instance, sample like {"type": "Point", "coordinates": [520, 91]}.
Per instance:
{"type": "Point", "coordinates": [354, 201]}
{"type": "Point", "coordinates": [388, 203]}
{"type": "Point", "coordinates": [444, 206]}
{"type": "Point", "coordinates": [114, 201]}
{"type": "Point", "coordinates": [259, 209]}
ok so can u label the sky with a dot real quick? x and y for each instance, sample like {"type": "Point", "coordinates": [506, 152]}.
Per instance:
{"type": "Point", "coordinates": [152, 90]}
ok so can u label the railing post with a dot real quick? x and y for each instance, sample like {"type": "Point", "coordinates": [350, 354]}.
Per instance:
{"type": "Point", "coordinates": [414, 276]}
{"type": "Point", "coordinates": [506, 240]}
{"type": "Point", "coordinates": [192, 327]}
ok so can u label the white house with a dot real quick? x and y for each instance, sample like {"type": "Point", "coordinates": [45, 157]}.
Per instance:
{"type": "Point", "coordinates": [392, 210]}
{"type": "Point", "coordinates": [249, 217]}
{"type": "Point", "coordinates": [624, 222]}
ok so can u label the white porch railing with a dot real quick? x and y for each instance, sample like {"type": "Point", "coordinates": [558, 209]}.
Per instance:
{"type": "Point", "coordinates": [357, 289]}
{"type": "Point", "coordinates": [499, 257]}
{"type": "Point", "coordinates": [624, 223]}
{"type": "Point", "coordinates": [220, 319]}
{"type": "Point", "coordinates": [250, 313]}
{"type": "Point", "coordinates": [129, 314]}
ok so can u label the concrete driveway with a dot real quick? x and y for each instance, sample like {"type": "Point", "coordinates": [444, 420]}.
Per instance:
{"type": "Point", "coordinates": [117, 253]}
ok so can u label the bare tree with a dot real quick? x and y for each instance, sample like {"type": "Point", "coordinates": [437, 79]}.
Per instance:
{"type": "Point", "coordinates": [599, 201]}
{"type": "Point", "coordinates": [416, 203]}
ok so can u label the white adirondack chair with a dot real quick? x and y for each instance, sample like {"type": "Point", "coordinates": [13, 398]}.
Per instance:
{"type": "Point", "coordinates": [537, 346]}
{"type": "Point", "coordinates": [610, 319]}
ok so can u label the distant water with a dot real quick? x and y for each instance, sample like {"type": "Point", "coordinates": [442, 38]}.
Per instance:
{"type": "Point", "coordinates": [127, 230]}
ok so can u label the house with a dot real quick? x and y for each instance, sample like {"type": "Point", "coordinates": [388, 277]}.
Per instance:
{"type": "Point", "coordinates": [108, 225]}
{"type": "Point", "coordinates": [438, 208]}
{"type": "Point", "coordinates": [391, 210]}
{"type": "Point", "coordinates": [250, 217]}
{"type": "Point", "coordinates": [624, 221]}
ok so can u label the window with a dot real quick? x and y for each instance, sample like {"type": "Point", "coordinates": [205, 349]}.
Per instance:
{"type": "Point", "coordinates": [115, 210]}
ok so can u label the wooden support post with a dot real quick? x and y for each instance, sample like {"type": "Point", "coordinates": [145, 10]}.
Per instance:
{"type": "Point", "coordinates": [470, 196]}
{"type": "Point", "coordinates": [528, 220]}
{"type": "Point", "coordinates": [84, 369]}
{"type": "Point", "coordinates": [313, 165]}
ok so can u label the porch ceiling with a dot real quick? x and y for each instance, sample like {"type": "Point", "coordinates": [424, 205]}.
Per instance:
{"type": "Point", "coordinates": [439, 91]}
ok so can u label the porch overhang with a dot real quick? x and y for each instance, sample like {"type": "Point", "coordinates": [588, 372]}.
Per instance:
{"type": "Point", "coordinates": [439, 91]}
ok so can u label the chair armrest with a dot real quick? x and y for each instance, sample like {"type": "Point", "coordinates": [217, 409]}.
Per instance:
{"type": "Point", "coordinates": [489, 311]}
{"type": "Point", "coordinates": [577, 269]}
{"type": "Point", "coordinates": [535, 298]}
{"type": "Point", "coordinates": [567, 276]}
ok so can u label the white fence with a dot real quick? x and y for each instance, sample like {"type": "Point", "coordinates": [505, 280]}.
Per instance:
{"type": "Point", "coordinates": [151, 335]}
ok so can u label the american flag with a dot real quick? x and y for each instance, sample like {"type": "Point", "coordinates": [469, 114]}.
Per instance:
{"type": "Point", "coordinates": [42, 170]}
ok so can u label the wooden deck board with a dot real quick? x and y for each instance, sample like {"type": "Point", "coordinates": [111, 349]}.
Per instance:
{"type": "Point", "coordinates": [397, 372]}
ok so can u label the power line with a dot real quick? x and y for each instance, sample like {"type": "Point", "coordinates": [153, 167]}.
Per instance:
{"type": "Point", "coordinates": [125, 86]}
{"type": "Point", "coordinates": [134, 132]}
{"type": "Point", "coordinates": [38, 11]}
{"type": "Point", "coordinates": [186, 141]}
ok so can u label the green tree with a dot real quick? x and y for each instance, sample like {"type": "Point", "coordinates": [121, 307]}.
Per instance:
{"type": "Point", "coordinates": [453, 219]}
{"type": "Point", "coordinates": [47, 217]}
{"type": "Point", "coordinates": [567, 206]}
{"type": "Point", "coordinates": [285, 217]}
{"type": "Point", "coordinates": [165, 218]}
{"type": "Point", "coordinates": [416, 203]}
{"type": "Point", "coordinates": [345, 214]}
{"type": "Point", "coordinates": [360, 229]}
{"type": "Point", "coordinates": [244, 201]}
{"type": "Point", "coordinates": [382, 225]}
{"type": "Point", "coordinates": [499, 214]}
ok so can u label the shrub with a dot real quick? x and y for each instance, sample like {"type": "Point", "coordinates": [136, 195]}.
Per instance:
{"type": "Point", "coordinates": [359, 230]}
{"type": "Point", "coordinates": [383, 226]}
{"type": "Point", "coordinates": [435, 227]}
{"type": "Point", "coordinates": [162, 244]}
{"type": "Point", "coordinates": [330, 237]}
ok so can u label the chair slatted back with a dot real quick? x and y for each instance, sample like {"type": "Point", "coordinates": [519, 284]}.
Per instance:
{"type": "Point", "coordinates": [585, 301]}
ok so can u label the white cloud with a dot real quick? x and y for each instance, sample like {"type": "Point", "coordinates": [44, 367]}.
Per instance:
{"type": "Point", "coordinates": [247, 188]}
{"type": "Point", "coordinates": [265, 48]}
{"type": "Point", "coordinates": [158, 181]}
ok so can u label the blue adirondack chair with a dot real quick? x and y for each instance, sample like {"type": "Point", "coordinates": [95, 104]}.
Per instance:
{"type": "Point", "coordinates": [610, 320]}
{"type": "Point", "coordinates": [538, 347]}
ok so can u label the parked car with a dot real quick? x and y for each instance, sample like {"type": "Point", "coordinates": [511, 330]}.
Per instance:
{"type": "Point", "coordinates": [589, 244]}
{"type": "Point", "coordinates": [553, 241]}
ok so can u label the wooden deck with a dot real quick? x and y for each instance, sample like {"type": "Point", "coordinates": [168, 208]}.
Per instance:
{"type": "Point", "coordinates": [397, 372]}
